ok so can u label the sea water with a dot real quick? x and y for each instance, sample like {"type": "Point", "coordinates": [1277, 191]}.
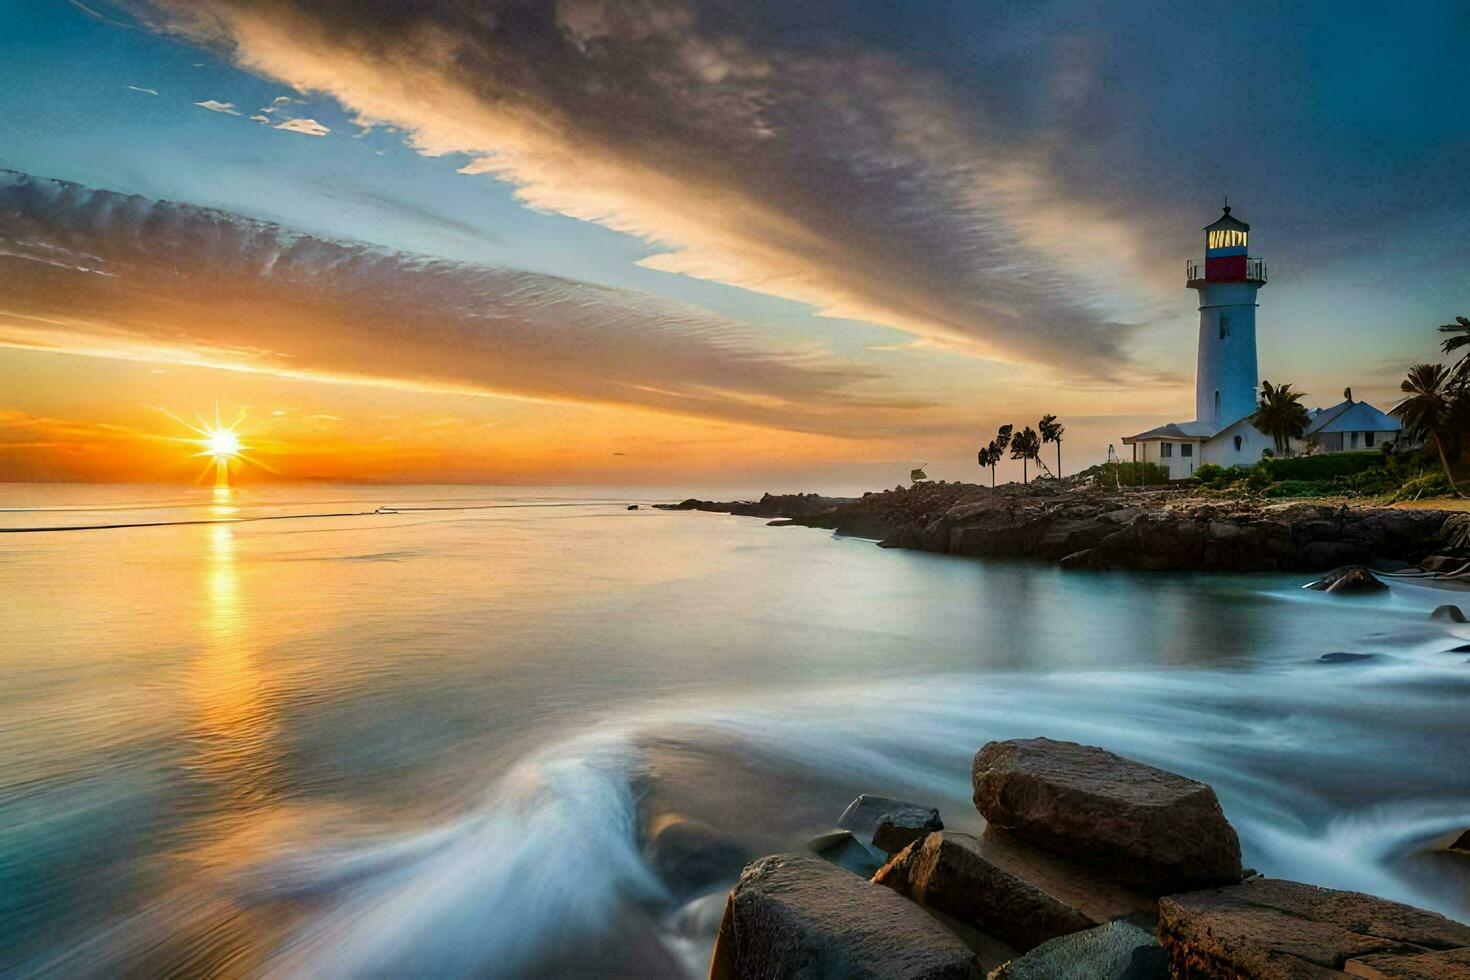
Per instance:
{"type": "Point", "coordinates": [389, 731]}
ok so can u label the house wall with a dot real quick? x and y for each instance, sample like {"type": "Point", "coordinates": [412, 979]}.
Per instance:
{"type": "Point", "coordinates": [1339, 442]}
{"type": "Point", "coordinates": [1221, 449]}
{"type": "Point", "coordinates": [1180, 466]}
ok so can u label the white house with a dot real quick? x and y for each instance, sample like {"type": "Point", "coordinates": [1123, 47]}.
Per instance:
{"type": "Point", "coordinates": [1226, 378]}
{"type": "Point", "coordinates": [1351, 426]}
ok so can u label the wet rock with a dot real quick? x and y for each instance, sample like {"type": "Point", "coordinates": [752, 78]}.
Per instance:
{"type": "Point", "coordinates": [1355, 580]}
{"type": "Point", "coordinates": [899, 823]}
{"type": "Point", "coordinates": [1448, 613]}
{"type": "Point", "coordinates": [632, 506]}
{"type": "Point", "coordinates": [1331, 554]}
{"type": "Point", "coordinates": [1461, 843]}
{"type": "Point", "coordinates": [796, 916]}
{"type": "Point", "coordinates": [1153, 829]}
{"type": "Point", "coordinates": [1462, 648]}
{"type": "Point", "coordinates": [1267, 929]}
{"type": "Point", "coordinates": [842, 849]}
{"type": "Point", "coordinates": [1119, 950]}
{"type": "Point", "coordinates": [1443, 563]}
{"type": "Point", "coordinates": [1016, 893]}
{"type": "Point", "coordinates": [1123, 515]}
{"type": "Point", "coordinates": [690, 856]}
{"type": "Point", "coordinates": [1452, 964]}
{"type": "Point", "coordinates": [1342, 657]}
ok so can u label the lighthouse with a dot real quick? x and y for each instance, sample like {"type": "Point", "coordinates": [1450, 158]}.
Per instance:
{"type": "Point", "coordinates": [1225, 377]}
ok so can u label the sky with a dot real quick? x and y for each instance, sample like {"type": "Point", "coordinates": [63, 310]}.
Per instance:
{"type": "Point", "coordinates": [653, 242]}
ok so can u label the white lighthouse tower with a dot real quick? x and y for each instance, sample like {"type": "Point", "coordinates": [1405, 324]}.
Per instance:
{"type": "Point", "coordinates": [1226, 379]}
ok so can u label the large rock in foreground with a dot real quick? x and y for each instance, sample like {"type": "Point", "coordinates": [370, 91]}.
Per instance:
{"type": "Point", "coordinates": [1150, 828]}
{"type": "Point", "coordinates": [1283, 930]}
{"type": "Point", "coordinates": [793, 915]}
{"type": "Point", "coordinates": [1010, 891]}
{"type": "Point", "coordinates": [1119, 950]}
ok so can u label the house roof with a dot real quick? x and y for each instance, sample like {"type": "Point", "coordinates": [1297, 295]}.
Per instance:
{"type": "Point", "coordinates": [1350, 416]}
{"type": "Point", "coordinates": [1174, 430]}
{"type": "Point", "coordinates": [1227, 223]}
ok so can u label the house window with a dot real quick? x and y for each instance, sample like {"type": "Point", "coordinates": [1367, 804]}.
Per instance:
{"type": "Point", "coordinates": [1237, 443]}
{"type": "Point", "coordinates": [1187, 449]}
{"type": "Point", "coordinates": [1224, 326]}
{"type": "Point", "coordinates": [1166, 449]}
{"type": "Point", "coordinates": [1368, 439]}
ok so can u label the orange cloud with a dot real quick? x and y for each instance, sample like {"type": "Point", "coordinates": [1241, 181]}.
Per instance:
{"type": "Point", "coordinates": [836, 176]}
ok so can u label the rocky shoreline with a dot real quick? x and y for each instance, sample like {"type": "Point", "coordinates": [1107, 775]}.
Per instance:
{"type": "Point", "coordinates": [1090, 866]}
{"type": "Point", "coordinates": [1157, 530]}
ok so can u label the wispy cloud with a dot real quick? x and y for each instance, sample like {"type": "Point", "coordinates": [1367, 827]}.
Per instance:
{"type": "Point", "coordinates": [260, 119]}
{"type": "Point", "coordinates": [308, 127]}
{"type": "Point", "coordinates": [832, 174]}
{"type": "Point", "coordinates": [145, 91]}
{"type": "Point", "coordinates": [228, 108]}
{"type": "Point", "coordinates": [197, 286]}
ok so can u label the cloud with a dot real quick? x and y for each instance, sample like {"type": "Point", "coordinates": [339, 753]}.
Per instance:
{"type": "Point", "coordinates": [228, 108]}
{"type": "Point", "coordinates": [260, 119]}
{"type": "Point", "coordinates": [189, 285]}
{"type": "Point", "coordinates": [309, 127]}
{"type": "Point", "coordinates": [827, 173]}
{"type": "Point", "coordinates": [145, 91]}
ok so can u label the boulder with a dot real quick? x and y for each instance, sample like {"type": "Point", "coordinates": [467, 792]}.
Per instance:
{"type": "Point", "coordinates": [1118, 950]}
{"type": "Point", "coordinates": [889, 825]}
{"type": "Point", "coordinates": [794, 915]}
{"type": "Point", "coordinates": [1452, 964]}
{"type": "Point", "coordinates": [1150, 828]}
{"type": "Point", "coordinates": [1343, 657]}
{"type": "Point", "coordinates": [1448, 613]}
{"type": "Point", "coordinates": [1350, 581]}
{"type": "Point", "coordinates": [1267, 929]}
{"type": "Point", "coordinates": [1123, 515]}
{"type": "Point", "coordinates": [1019, 894]}
{"type": "Point", "coordinates": [1461, 843]}
{"type": "Point", "coordinates": [690, 856]}
{"type": "Point", "coordinates": [843, 850]}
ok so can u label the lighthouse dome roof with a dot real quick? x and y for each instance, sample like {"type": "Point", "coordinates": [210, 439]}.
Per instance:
{"type": "Point", "coordinates": [1227, 222]}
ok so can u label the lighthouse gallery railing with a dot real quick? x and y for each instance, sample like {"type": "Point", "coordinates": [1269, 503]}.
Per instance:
{"type": "Point", "coordinates": [1255, 270]}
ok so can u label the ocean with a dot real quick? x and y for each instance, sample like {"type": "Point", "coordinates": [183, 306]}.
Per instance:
{"type": "Point", "coordinates": [387, 731]}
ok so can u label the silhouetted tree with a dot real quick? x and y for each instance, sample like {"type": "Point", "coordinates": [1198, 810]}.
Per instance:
{"type": "Point", "coordinates": [1280, 415]}
{"type": "Point", "coordinates": [1051, 431]}
{"type": "Point", "coordinates": [1431, 410]}
{"type": "Point", "coordinates": [1025, 445]}
{"type": "Point", "coordinates": [1460, 373]}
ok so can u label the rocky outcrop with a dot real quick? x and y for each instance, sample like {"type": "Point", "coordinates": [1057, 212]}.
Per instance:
{"type": "Point", "coordinates": [1119, 950]}
{"type": "Point", "coordinates": [1266, 929]}
{"type": "Point", "coordinates": [787, 505]}
{"type": "Point", "coordinates": [1076, 868]}
{"type": "Point", "coordinates": [690, 856]}
{"type": "Point", "coordinates": [887, 824]}
{"type": "Point", "coordinates": [1153, 829]}
{"type": "Point", "coordinates": [1150, 530]}
{"type": "Point", "coordinates": [843, 849]}
{"type": "Point", "coordinates": [1018, 894]}
{"type": "Point", "coordinates": [798, 916]}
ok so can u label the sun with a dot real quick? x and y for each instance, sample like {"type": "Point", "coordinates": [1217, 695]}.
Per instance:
{"type": "Point", "coordinates": [221, 443]}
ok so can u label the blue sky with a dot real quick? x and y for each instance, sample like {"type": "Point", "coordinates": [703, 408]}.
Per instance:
{"type": "Point", "coordinates": [971, 212]}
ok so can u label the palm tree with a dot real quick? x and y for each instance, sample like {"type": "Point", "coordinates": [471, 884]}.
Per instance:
{"type": "Point", "coordinates": [1051, 431]}
{"type": "Point", "coordinates": [1460, 373]}
{"type": "Point", "coordinates": [1280, 415]}
{"type": "Point", "coordinates": [1025, 445]}
{"type": "Point", "coordinates": [995, 450]}
{"type": "Point", "coordinates": [989, 456]}
{"type": "Point", "coordinates": [1430, 410]}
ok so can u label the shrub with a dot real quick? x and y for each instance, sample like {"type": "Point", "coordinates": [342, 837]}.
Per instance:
{"type": "Point", "coordinates": [1300, 488]}
{"type": "Point", "coordinates": [1327, 466]}
{"type": "Point", "coordinates": [1134, 474]}
{"type": "Point", "coordinates": [1210, 474]}
{"type": "Point", "coordinates": [1431, 483]}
